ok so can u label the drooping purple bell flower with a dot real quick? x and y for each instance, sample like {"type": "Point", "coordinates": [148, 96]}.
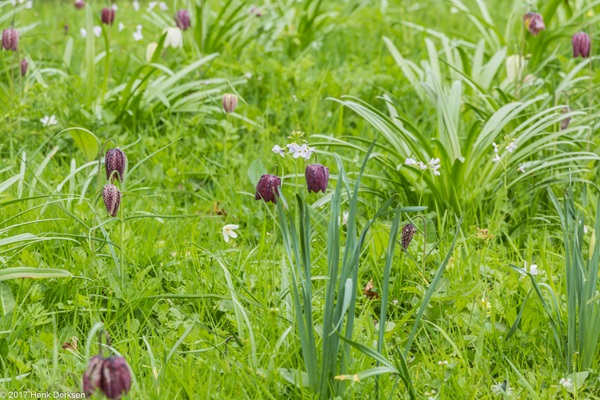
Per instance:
{"type": "Point", "coordinates": [114, 163]}
{"type": "Point", "coordinates": [182, 19]}
{"type": "Point", "coordinates": [230, 102]}
{"type": "Point", "coordinates": [317, 177]}
{"type": "Point", "coordinates": [581, 45]}
{"type": "Point", "coordinates": [268, 188]}
{"type": "Point", "coordinates": [408, 232]}
{"type": "Point", "coordinates": [112, 199]}
{"type": "Point", "coordinates": [534, 23]}
{"type": "Point", "coordinates": [10, 39]}
{"type": "Point", "coordinates": [564, 124]}
{"type": "Point", "coordinates": [108, 16]}
{"type": "Point", "coordinates": [79, 4]}
{"type": "Point", "coordinates": [24, 65]}
{"type": "Point", "coordinates": [109, 375]}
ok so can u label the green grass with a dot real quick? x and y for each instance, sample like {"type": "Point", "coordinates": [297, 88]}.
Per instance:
{"type": "Point", "coordinates": [279, 312]}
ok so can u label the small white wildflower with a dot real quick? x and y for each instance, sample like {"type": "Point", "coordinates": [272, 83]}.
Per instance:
{"type": "Point", "coordinates": [163, 6]}
{"type": "Point", "coordinates": [345, 218]}
{"type": "Point", "coordinates": [434, 163]}
{"type": "Point", "coordinates": [83, 33]}
{"type": "Point", "coordinates": [136, 5]}
{"type": "Point", "coordinates": [29, 4]}
{"type": "Point", "coordinates": [395, 302]}
{"type": "Point", "coordinates": [410, 162]}
{"type": "Point", "coordinates": [495, 147]}
{"type": "Point", "coordinates": [151, 5]}
{"type": "Point", "coordinates": [501, 388]}
{"type": "Point", "coordinates": [49, 121]}
{"type": "Point", "coordinates": [512, 146]}
{"type": "Point", "coordinates": [496, 158]}
{"type": "Point", "coordinates": [137, 35]}
{"type": "Point", "coordinates": [422, 165]}
{"type": "Point", "coordinates": [278, 150]}
{"type": "Point", "coordinates": [566, 383]}
{"type": "Point", "coordinates": [443, 362]}
{"type": "Point", "coordinates": [121, 26]}
{"type": "Point", "coordinates": [229, 232]}
{"type": "Point", "coordinates": [521, 168]}
{"type": "Point", "coordinates": [533, 269]}
{"type": "Point", "coordinates": [248, 75]}
{"type": "Point", "coordinates": [114, 7]}
{"type": "Point", "coordinates": [97, 30]}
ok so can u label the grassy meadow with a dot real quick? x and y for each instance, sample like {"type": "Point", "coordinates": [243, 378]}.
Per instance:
{"type": "Point", "coordinates": [452, 254]}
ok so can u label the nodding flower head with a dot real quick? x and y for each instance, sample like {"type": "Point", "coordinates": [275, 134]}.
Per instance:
{"type": "Point", "coordinates": [10, 39]}
{"type": "Point", "coordinates": [564, 124]}
{"type": "Point", "coordinates": [108, 16]}
{"type": "Point", "coordinates": [317, 178]}
{"type": "Point", "coordinates": [408, 232]}
{"type": "Point", "coordinates": [268, 188]}
{"type": "Point", "coordinates": [581, 45]}
{"type": "Point", "coordinates": [182, 19]}
{"type": "Point", "coordinates": [230, 102]}
{"type": "Point", "coordinates": [534, 23]}
{"type": "Point", "coordinates": [24, 65]}
{"type": "Point", "coordinates": [112, 199]}
{"type": "Point", "coordinates": [114, 163]}
{"type": "Point", "coordinates": [109, 375]}
{"type": "Point", "coordinates": [79, 4]}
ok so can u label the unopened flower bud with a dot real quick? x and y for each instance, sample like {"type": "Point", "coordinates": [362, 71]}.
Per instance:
{"type": "Point", "coordinates": [112, 199]}
{"type": "Point", "coordinates": [79, 4]}
{"type": "Point", "coordinates": [408, 231]}
{"type": "Point", "coordinates": [581, 45]}
{"type": "Point", "coordinates": [10, 39]}
{"type": "Point", "coordinates": [182, 19]}
{"type": "Point", "coordinates": [114, 163]}
{"type": "Point", "coordinates": [24, 65]}
{"type": "Point", "coordinates": [109, 375]}
{"type": "Point", "coordinates": [108, 16]}
{"type": "Point", "coordinates": [564, 124]}
{"type": "Point", "coordinates": [534, 23]}
{"type": "Point", "coordinates": [230, 102]}
{"type": "Point", "coordinates": [317, 178]}
{"type": "Point", "coordinates": [268, 188]}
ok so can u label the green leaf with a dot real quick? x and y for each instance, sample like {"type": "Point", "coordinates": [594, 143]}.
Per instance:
{"type": "Point", "coordinates": [34, 273]}
{"type": "Point", "coordinates": [87, 143]}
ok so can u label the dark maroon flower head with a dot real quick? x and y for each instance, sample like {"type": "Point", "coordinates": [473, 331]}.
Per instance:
{"type": "Point", "coordinates": [564, 124]}
{"type": "Point", "coordinates": [79, 4]}
{"type": "Point", "coordinates": [109, 375]}
{"type": "Point", "coordinates": [114, 163]}
{"type": "Point", "coordinates": [268, 188]}
{"type": "Point", "coordinates": [112, 199]}
{"type": "Point", "coordinates": [116, 378]}
{"type": "Point", "coordinates": [230, 102]}
{"type": "Point", "coordinates": [182, 19]}
{"type": "Point", "coordinates": [317, 178]}
{"type": "Point", "coordinates": [24, 65]}
{"type": "Point", "coordinates": [534, 23]}
{"type": "Point", "coordinates": [255, 11]}
{"type": "Point", "coordinates": [93, 375]}
{"type": "Point", "coordinates": [108, 16]}
{"type": "Point", "coordinates": [10, 39]}
{"type": "Point", "coordinates": [408, 231]}
{"type": "Point", "coordinates": [581, 45]}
